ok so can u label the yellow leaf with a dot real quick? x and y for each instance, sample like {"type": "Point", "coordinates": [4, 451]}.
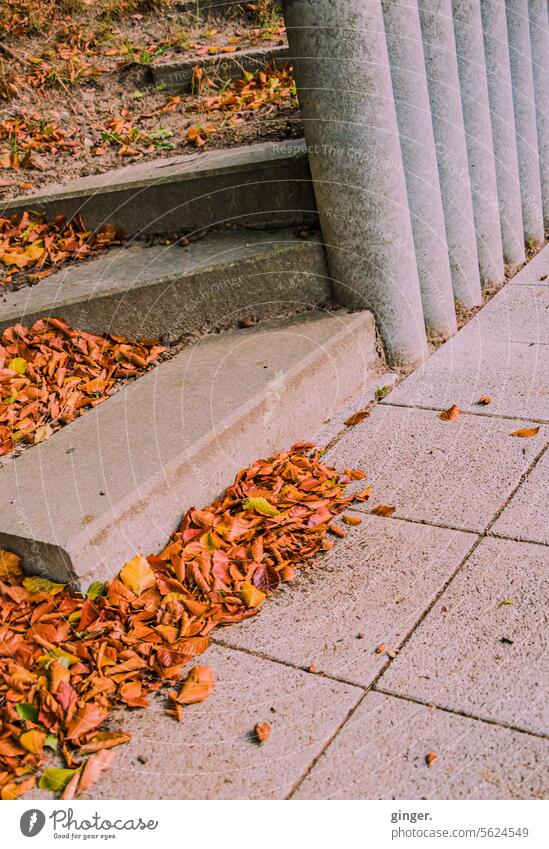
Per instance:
{"type": "Point", "coordinates": [137, 575]}
{"type": "Point", "coordinates": [18, 364]}
{"type": "Point", "coordinates": [251, 596]}
{"type": "Point", "coordinates": [10, 566]}
{"type": "Point", "coordinates": [260, 505]}
{"type": "Point", "coordinates": [210, 541]}
{"type": "Point", "coordinates": [197, 687]}
{"type": "Point", "coordinates": [33, 741]}
{"type": "Point", "coordinates": [35, 584]}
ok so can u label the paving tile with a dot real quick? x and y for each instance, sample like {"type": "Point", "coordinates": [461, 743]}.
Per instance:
{"type": "Point", "coordinates": [210, 753]}
{"type": "Point", "coordinates": [380, 754]}
{"type": "Point", "coordinates": [503, 352]}
{"type": "Point", "coordinates": [472, 653]}
{"type": "Point", "coordinates": [376, 583]}
{"type": "Point", "coordinates": [525, 518]}
{"type": "Point", "coordinates": [456, 473]}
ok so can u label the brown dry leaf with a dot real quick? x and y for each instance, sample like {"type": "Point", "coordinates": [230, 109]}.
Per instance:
{"type": "Point", "coordinates": [484, 400]}
{"type": "Point", "coordinates": [450, 414]}
{"type": "Point", "coordinates": [198, 686]}
{"type": "Point", "coordinates": [364, 494]}
{"type": "Point", "coordinates": [262, 731]}
{"type": "Point", "coordinates": [383, 510]}
{"type": "Point", "coordinates": [357, 417]}
{"type": "Point", "coordinates": [525, 432]}
{"type": "Point", "coordinates": [430, 758]}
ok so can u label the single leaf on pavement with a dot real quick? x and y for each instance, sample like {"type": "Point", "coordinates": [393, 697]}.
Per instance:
{"type": "Point", "coordinates": [450, 414]}
{"type": "Point", "coordinates": [525, 432]}
{"type": "Point", "coordinates": [198, 686]}
{"type": "Point", "coordinates": [262, 731]}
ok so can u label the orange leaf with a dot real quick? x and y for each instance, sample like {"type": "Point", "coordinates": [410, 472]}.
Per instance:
{"type": "Point", "coordinates": [450, 414]}
{"type": "Point", "coordinates": [356, 418]}
{"type": "Point", "coordinates": [525, 432]}
{"type": "Point", "coordinates": [262, 731]}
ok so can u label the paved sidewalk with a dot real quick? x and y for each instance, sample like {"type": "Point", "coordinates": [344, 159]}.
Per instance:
{"type": "Point", "coordinates": [455, 583]}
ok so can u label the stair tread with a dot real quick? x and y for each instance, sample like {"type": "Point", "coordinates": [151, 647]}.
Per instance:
{"type": "Point", "coordinates": [190, 166]}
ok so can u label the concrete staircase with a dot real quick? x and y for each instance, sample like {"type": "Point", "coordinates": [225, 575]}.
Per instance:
{"type": "Point", "coordinates": [118, 479]}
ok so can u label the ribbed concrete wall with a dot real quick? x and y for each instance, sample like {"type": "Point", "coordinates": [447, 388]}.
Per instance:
{"type": "Point", "coordinates": [447, 116]}
{"type": "Point", "coordinates": [427, 127]}
{"type": "Point", "coordinates": [417, 144]}
{"type": "Point", "coordinates": [500, 95]}
{"type": "Point", "coordinates": [539, 36]}
{"type": "Point", "coordinates": [520, 53]}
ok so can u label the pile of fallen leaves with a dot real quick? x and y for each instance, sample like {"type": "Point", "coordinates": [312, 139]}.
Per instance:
{"type": "Point", "coordinates": [27, 241]}
{"type": "Point", "coordinates": [273, 87]}
{"type": "Point", "coordinates": [66, 659]}
{"type": "Point", "coordinates": [51, 373]}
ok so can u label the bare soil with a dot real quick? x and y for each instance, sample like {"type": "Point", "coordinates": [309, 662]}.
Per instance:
{"type": "Point", "coordinates": [88, 81]}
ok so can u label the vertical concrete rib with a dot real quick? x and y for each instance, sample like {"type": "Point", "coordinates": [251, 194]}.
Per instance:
{"type": "Point", "coordinates": [500, 94]}
{"type": "Point", "coordinates": [518, 31]}
{"type": "Point", "coordinates": [417, 144]}
{"type": "Point", "coordinates": [446, 111]}
{"type": "Point", "coordinates": [345, 90]}
{"type": "Point", "coordinates": [478, 132]}
{"type": "Point", "coordinates": [539, 36]}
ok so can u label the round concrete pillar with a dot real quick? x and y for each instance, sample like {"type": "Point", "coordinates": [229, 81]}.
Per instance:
{"type": "Point", "coordinates": [520, 53]}
{"type": "Point", "coordinates": [447, 117]}
{"type": "Point", "coordinates": [478, 133]}
{"type": "Point", "coordinates": [342, 72]}
{"type": "Point", "coordinates": [539, 36]}
{"type": "Point", "coordinates": [417, 145]}
{"type": "Point", "coordinates": [500, 94]}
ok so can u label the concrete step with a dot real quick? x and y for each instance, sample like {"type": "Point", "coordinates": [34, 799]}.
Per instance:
{"type": "Point", "coordinates": [261, 185]}
{"type": "Point", "coordinates": [178, 76]}
{"type": "Point", "coordinates": [166, 291]}
{"type": "Point", "coordinates": [117, 480]}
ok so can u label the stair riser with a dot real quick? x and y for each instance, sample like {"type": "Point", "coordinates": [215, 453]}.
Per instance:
{"type": "Point", "coordinates": [281, 196]}
{"type": "Point", "coordinates": [261, 288]}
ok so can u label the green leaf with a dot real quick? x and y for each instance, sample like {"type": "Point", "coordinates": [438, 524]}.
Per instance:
{"type": "Point", "coordinates": [505, 602]}
{"type": "Point", "coordinates": [35, 584]}
{"type": "Point", "coordinates": [260, 505]}
{"type": "Point", "coordinates": [18, 364]}
{"type": "Point", "coordinates": [51, 742]}
{"type": "Point", "coordinates": [95, 589]}
{"type": "Point", "coordinates": [27, 711]}
{"type": "Point", "coordinates": [382, 391]}
{"type": "Point", "coordinates": [55, 779]}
